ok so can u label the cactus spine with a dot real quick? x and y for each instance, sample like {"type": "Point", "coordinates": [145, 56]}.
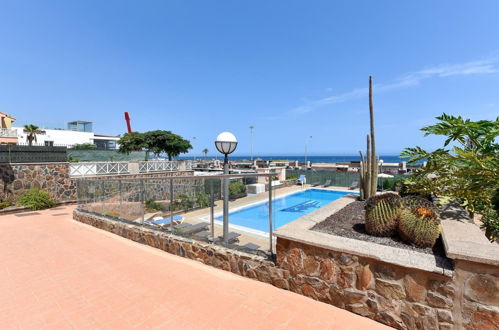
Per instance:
{"type": "Point", "coordinates": [382, 214]}
{"type": "Point", "coordinates": [368, 174]}
{"type": "Point", "coordinates": [419, 226]}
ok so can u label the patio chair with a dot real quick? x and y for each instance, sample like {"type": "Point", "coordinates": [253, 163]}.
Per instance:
{"type": "Point", "coordinates": [327, 183]}
{"type": "Point", "coordinates": [159, 221]}
{"type": "Point", "coordinates": [301, 180]}
{"type": "Point", "coordinates": [354, 185]}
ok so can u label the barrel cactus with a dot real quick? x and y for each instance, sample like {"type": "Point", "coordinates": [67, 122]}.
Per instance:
{"type": "Point", "coordinates": [382, 214]}
{"type": "Point", "coordinates": [419, 226]}
{"type": "Point", "coordinates": [417, 201]}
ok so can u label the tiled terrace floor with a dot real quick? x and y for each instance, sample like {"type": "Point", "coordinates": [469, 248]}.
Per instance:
{"type": "Point", "coordinates": [57, 273]}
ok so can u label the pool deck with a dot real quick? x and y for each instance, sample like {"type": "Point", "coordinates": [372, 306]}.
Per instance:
{"type": "Point", "coordinates": [57, 273]}
{"type": "Point", "coordinates": [246, 236]}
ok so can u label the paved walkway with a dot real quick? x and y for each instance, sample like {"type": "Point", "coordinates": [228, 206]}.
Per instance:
{"type": "Point", "coordinates": [57, 273]}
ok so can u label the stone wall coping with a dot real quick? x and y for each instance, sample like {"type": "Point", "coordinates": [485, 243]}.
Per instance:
{"type": "Point", "coordinates": [170, 236]}
{"type": "Point", "coordinates": [133, 174]}
{"type": "Point", "coordinates": [39, 163]}
{"type": "Point", "coordinates": [465, 241]}
{"type": "Point", "coordinates": [300, 231]}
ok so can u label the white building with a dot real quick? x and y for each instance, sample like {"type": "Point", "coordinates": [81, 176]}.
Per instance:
{"type": "Point", "coordinates": [69, 137]}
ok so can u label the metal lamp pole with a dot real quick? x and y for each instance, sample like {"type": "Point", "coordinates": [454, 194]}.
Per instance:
{"type": "Point", "coordinates": [251, 132]}
{"type": "Point", "coordinates": [193, 156]}
{"type": "Point", "coordinates": [226, 143]}
{"type": "Point", "coordinates": [306, 151]}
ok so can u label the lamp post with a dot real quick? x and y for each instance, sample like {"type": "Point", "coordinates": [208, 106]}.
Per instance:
{"type": "Point", "coordinates": [226, 143]}
{"type": "Point", "coordinates": [193, 156]}
{"type": "Point", "coordinates": [251, 133]}
{"type": "Point", "coordinates": [306, 151]}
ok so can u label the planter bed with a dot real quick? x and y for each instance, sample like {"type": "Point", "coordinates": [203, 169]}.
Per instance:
{"type": "Point", "coordinates": [349, 222]}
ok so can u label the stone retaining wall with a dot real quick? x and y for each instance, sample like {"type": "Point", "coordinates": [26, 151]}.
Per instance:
{"type": "Point", "coordinates": [53, 177]}
{"type": "Point", "coordinates": [404, 298]}
{"type": "Point", "coordinates": [396, 296]}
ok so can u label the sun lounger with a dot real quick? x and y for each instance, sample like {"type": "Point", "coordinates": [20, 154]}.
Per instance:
{"type": "Point", "coordinates": [195, 228]}
{"type": "Point", "coordinates": [177, 219]}
{"type": "Point", "coordinates": [250, 246]}
{"type": "Point", "coordinates": [354, 185]}
{"type": "Point", "coordinates": [203, 234]}
{"type": "Point", "coordinates": [232, 237]}
{"type": "Point", "coordinates": [301, 180]}
{"type": "Point", "coordinates": [327, 183]}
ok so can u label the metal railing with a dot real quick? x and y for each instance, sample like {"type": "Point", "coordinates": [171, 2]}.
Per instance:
{"type": "Point", "coordinates": [189, 206]}
{"type": "Point", "coordinates": [98, 168]}
{"type": "Point", "coordinates": [158, 166]}
{"type": "Point", "coordinates": [8, 132]}
{"type": "Point", "coordinates": [82, 169]}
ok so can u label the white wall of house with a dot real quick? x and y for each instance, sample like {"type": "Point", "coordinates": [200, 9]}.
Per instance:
{"type": "Point", "coordinates": [58, 137]}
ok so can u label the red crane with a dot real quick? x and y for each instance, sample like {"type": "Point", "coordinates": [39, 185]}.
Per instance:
{"type": "Point", "coordinates": [128, 126]}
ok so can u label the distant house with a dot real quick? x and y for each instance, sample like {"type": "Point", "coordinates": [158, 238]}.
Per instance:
{"type": "Point", "coordinates": [77, 132]}
{"type": "Point", "coordinates": [8, 135]}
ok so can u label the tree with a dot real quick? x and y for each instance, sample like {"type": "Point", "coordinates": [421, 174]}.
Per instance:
{"type": "Point", "coordinates": [84, 146]}
{"type": "Point", "coordinates": [32, 131]}
{"type": "Point", "coordinates": [466, 168]}
{"type": "Point", "coordinates": [160, 141]}
{"type": "Point", "coordinates": [205, 152]}
{"type": "Point", "coordinates": [131, 142]}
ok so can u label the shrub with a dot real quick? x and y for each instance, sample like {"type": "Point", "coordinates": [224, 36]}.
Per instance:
{"type": "Point", "coordinates": [419, 226]}
{"type": "Point", "coordinates": [112, 214]}
{"type": "Point", "coordinates": [151, 204]}
{"type": "Point", "coordinates": [236, 189]}
{"type": "Point", "coordinates": [5, 204]}
{"type": "Point", "coordinates": [184, 202]}
{"type": "Point", "coordinates": [36, 199]}
{"type": "Point", "coordinates": [202, 200]}
{"type": "Point", "coordinates": [382, 214]}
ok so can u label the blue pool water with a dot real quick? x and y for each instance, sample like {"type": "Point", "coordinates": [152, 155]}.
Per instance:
{"type": "Point", "coordinates": [285, 209]}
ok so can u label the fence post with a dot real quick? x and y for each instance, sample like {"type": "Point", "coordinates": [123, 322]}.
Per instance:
{"type": "Point", "coordinates": [270, 216]}
{"type": "Point", "coordinates": [121, 192]}
{"type": "Point", "coordinates": [142, 199]}
{"type": "Point", "coordinates": [212, 211]}
{"type": "Point", "coordinates": [171, 203]}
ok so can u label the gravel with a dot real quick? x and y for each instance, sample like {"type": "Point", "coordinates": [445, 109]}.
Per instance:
{"type": "Point", "coordinates": [349, 222]}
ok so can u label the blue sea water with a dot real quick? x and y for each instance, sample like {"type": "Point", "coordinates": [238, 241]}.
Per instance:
{"type": "Point", "coordinates": [285, 209]}
{"type": "Point", "coordinates": [313, 159]}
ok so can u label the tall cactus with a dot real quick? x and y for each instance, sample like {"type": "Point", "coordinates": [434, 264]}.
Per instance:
{"type": "Point", "coordinates": [368, 173]}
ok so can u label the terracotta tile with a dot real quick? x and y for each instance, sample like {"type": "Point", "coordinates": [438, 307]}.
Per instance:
{"type": "Point", "coordinates": [57, 273]}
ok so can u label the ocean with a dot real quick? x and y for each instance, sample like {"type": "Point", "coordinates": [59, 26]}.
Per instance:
{"type": "Point", "coordinates": [313, 159]}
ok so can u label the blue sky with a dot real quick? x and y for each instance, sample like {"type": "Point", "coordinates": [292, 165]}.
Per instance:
{"type": "Point", "coordinates": [290, 68]}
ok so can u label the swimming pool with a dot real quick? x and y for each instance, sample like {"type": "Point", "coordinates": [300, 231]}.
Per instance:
{"type": "Point", "coordinates": [284, 209]}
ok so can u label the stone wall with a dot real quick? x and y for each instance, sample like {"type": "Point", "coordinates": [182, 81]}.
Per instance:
{"type": "Point", "coordinates": [53, 177]}
{"type": "Point", "coordinates": [400, 297]}
{"type": "Point", "coordinates": [404, 298]}
{"type": "Point", "coordinates": [477, 306]}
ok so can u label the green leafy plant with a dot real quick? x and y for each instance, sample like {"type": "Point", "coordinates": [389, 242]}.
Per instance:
{"type": "Point", "coordinates": [4, 204]}
{"type": "Point", "coordinates": [202, 200]}
{"type": "Point", "coordinates": [151, 204]}
{"type": "Point", "coordinates": [112, 214]}
{"type": "Point", "coordinates": [490, 217]}
{"type": "Point", "coordinates": [466, 169]}
{"type": "Point", "coordinates": [382, 214]}
{"type": "Point", "coordinates": [36, 199]}
{"type": "Point", "coordinates": [419, 226]}
{"type": "Point", "coordinates": [84, 146]}
{"type": "Point", "coordinates": [236, 190]}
